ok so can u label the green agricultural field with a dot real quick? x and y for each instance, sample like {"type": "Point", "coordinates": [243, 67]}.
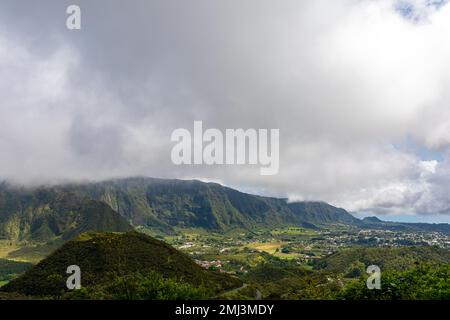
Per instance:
{"type": "Point", "coordinates": [269, 247]}
{"type": "Point", "coordinates": [273, 248]}
{"type": "Point", "coordinates": [294, 231]}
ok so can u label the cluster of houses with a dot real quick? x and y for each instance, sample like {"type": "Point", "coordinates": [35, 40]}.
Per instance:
{"type": "Point", "coordinates": [216, 264]}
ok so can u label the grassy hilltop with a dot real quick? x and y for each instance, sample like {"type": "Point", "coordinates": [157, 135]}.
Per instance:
{"type": "Point", "coordinates": [114, 264]}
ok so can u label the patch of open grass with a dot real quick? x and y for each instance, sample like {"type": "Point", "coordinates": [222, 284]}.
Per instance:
{"type": "Point", "coordinates": [269, 247]}
{"type": "Point", "coordinates": [34, 253]}
{"type": "Point", "coordinates": [7, 246]}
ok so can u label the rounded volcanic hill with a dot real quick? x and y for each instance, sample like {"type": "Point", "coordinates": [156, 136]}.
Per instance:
{"type": "Point", "coordinates": [104, 256]}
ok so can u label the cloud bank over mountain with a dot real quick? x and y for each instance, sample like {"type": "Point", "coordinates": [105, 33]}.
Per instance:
{"type": "Point", "coordinates": [358, 89]}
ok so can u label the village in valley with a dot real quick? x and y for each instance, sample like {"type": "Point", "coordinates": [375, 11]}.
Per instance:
{"type": "Point", "coordinates": [238, 250]}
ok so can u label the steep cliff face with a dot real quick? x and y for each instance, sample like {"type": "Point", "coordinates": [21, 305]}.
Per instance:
{"type": "Point", "coordinates": [168, 203]}
{"type": "Point", "coordinates": [64, 211]}
{"type": "Point", "coordinates": [46, 214]}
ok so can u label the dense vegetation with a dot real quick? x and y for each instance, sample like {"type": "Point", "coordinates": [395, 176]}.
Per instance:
{"type": "Point", "coordinates": [43, 214]}
{"type": "Point", "coordinates": [352, 262]}
{"type": "Point", "coordinates": [10, 269]}
{"type": "Point", "coordinates": [164, 204]}
{"type": "Point", "coordinates": [135, 266]}
{"type": "Point", "coordinates": [108, 260]}
{"type": "Point", "coordinates": [276, 249]}
{"type": "Point", "coordinates": [285, 280]}
{"type": "Point", "coordinates": [46, 213]}
{"type": "Point", "coordinates": [407, 273]}
{"type": "Point", "coordinates": [138, 286]}
{"type": "Point", "coordinates": [421, 282]}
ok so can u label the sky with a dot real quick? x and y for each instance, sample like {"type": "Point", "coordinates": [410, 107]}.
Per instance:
{"type": "Point", "coordinates": [357, 88]}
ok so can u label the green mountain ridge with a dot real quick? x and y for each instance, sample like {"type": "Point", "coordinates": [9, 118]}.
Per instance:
{"type": "Point", "coordinates": [376, 223]}
{"type": "Point", "coordinates": [37, 213]}
{"type": "Point", "coordinates": [64, 211]}
{"type": "Point", "coordinates": [165, 204]}
{"type": "Point", "coordinates": [44, 215]}
{"type": "Point", "coordinates": [323, 213]}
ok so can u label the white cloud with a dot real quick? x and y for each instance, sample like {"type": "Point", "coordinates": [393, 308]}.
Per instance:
{"type": "Point", "coordinates": [345, 82]}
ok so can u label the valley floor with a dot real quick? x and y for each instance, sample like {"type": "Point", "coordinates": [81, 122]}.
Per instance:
{"type": "Point", "coordinates": [296, 263]}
